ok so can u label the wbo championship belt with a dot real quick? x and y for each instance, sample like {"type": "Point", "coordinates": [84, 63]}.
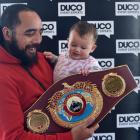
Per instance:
{"type": "Point", "coordinates": [77, 98]}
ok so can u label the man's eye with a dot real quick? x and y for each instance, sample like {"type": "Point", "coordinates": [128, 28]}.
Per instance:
{"type": "Point", "coordinates": [29, 33]}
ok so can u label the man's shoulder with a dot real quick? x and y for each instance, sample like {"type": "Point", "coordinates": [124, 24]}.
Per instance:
{"type": "Point", "coordinates": [40, 55]}
{"type": "Point", "coordinates": [5, 72]}
{"type": "Point", "coordinates": [42, 60]}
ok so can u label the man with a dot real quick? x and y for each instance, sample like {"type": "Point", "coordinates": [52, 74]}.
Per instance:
{"type": "Point", "coordinates": [25, 75]}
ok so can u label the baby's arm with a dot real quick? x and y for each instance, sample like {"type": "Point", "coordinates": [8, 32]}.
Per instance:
{"type": "Point", "coordinates": [52, 57]}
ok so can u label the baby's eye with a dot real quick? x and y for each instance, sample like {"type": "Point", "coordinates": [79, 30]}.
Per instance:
{"type": "Point", "coordinates": [83, 48]}
{"type": "Point", "coordinates": [73, 45]}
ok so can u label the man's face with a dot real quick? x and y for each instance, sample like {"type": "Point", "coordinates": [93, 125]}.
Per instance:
{"type": "Point", "coordinates": [27, 37]}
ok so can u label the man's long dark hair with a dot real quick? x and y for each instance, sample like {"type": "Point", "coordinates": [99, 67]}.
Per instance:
{"type": "Point", "coordinates": [10, 18]}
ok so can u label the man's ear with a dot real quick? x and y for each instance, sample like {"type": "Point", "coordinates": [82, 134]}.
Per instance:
{"type": "Point", "coordinates": [7, 33]}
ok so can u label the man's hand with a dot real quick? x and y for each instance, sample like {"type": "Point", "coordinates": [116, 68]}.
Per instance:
{"type": "Point", "coordinates": [82, 132]}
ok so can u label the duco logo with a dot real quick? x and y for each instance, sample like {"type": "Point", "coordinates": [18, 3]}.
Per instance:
{"type": "Point", "coordinates": [130, 44]}
{"type": "Point", "coordinates": [106, 63]}
{"type": "Point", "coordinates": [128, 6]}
{"type": "Point", "coordinates": [72, 7]}
{"type": "Point", "coordinates": [63, 47]}
{"type": "Point", "coordinates": [3, 6]}
{"type": "Point", "coordinates": [129, 119]}
{"type": "Point", "coordinates": [103, 137]}
{"type": "Point", "coordinates": [127, 9]}
{"type": "Point", "coordinates": [137, 79]}
{"type": "Point", "coordinates": [102, 25]}
{"type": "Point", "coordinates": [48, 26]}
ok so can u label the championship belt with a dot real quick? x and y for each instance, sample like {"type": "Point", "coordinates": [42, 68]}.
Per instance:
{"type": "Point", "coordinates": [77, 98]}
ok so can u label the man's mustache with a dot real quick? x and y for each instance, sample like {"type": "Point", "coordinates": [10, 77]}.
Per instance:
{"type": "Point", "coordinates": [33, 46]}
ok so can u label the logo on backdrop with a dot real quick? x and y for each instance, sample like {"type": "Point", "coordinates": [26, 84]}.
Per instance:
{"type": "Point", "coordinates": [103, 136]}
{"type": "Point", "coordinates": [104, 27]}
{"type": "Point", "coordinates": [106, 63]}
{"type": "Point", "coordinates": [71, 9]}
{"type": "Point", "coordinates": [63, 47]}
{"type": "Point", "coordinates": [128, 46]}
{"type": "Point", "coordinates": [127, 9]}
{"type": "Point", "coordinates": [3, 6]}
{"type": "Point", "coordinates": [137, 79]}
{"type": "Point", "coordinates": [49, 29]}
{"type": "Point", "coordinates": [128, 121]}
{"type": "Point", "coordinates": [113, 108]}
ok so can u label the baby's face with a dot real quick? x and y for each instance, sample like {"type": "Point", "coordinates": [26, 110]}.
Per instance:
{"type": "Point", "coordinates": [80, 47]}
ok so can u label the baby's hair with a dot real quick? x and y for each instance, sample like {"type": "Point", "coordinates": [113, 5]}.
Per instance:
{"type": "Point", "coordinates": [83, 28]}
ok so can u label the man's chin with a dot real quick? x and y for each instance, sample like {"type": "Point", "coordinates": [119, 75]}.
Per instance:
{"type": "Point", "coordinates": [29, 60]}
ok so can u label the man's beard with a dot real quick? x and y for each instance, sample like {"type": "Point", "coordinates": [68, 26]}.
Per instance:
{"type": "Point", "coordinates": [22, 55]}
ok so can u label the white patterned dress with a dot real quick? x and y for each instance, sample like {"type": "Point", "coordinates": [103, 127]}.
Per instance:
{"type": "Point", "coordinates": [67, 66]}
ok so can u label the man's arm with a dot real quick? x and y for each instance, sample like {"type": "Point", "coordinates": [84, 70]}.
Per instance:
{"type": "Point", "coordinates": [12, 118]}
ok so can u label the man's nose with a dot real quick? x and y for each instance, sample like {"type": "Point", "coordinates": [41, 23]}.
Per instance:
{"type": "Point", "coordinates": [37, 38]}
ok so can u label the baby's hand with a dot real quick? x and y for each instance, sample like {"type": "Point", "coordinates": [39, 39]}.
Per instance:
{"type": "Point", "coordinates": [52, 57]}
{"type": "Point", "coordinates": [84, 71]}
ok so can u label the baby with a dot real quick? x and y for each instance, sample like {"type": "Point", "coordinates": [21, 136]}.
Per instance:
{"type": "Point", "coordinates": [81, 42]}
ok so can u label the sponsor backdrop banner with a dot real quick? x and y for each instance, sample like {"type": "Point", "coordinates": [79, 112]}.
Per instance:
{"type": "Point", "coordinates": [118, 26]}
